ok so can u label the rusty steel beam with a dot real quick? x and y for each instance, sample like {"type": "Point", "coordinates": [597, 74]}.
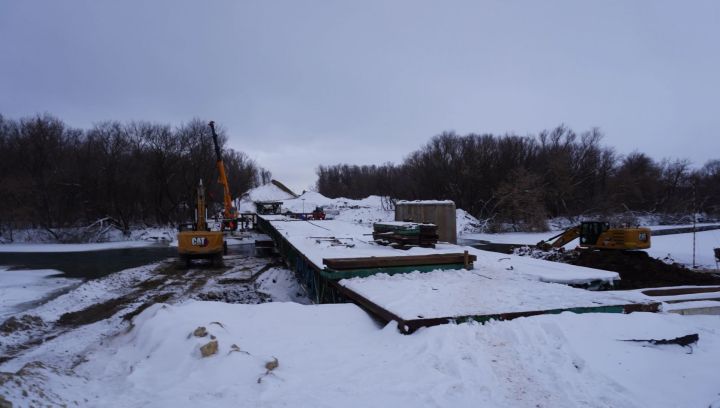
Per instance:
{"type": "Point", "coordinates": [390, 261]}
{"type": "Point", "coordinates": [680, 291]}
{"type": "Point", "coordinates": [714, 299]}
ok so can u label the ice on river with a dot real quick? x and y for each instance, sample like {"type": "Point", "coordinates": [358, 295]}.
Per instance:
{"type": "Point", "coordinates": [20, 289]}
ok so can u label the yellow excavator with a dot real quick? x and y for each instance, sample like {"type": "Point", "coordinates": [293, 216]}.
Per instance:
{"type": "Point", "coordinates": [196, 241]}
{"type": "Point", "coordinates": [599, 235]}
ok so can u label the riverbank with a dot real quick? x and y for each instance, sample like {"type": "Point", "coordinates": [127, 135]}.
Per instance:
{"type": "Point", "coordinates": [101, 308]}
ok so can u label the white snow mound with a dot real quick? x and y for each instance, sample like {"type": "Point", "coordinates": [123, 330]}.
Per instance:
{"type": "Point", "coordinates": [335, 355]}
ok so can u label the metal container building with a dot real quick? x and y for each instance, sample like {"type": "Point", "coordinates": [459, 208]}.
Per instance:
{"type": "Point", "coordinates": [440, 213]}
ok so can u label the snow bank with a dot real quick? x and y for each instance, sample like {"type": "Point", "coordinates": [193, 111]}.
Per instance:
{"type": "Point", "coordinates": [527, 238]}
{"type": "Point", "coordinates": [679, 247]}
{"type": "Point", "coordinates": [27, 287]}
{"type": "Point", "coordinates": [266, 192]}
{"type": "Point", "coordinates": [365, 211]}
{"type": "Point", "coordinates": [74, 247]}
{"type": "Point", "coordinates": [540, 269]}
{"type": "Point", "coordinates": [334, 355]}
{"type": "Point", "coordinates": [466, 223]}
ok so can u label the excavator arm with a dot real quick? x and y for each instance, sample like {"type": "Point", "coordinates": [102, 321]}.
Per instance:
{"type": "Point", "coordinates": [561, 239]}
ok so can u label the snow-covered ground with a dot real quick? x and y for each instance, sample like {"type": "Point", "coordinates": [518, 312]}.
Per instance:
{"type": "Point", "coordinates": [679, 247]}
{"type": "Point", "coordinates": [542, 270]}
{"type": "Point", "coordinates": [364, 211]}
{"type": "Point", "coordinates": [528, 238]}
{"type": "Point", "coordinates": [20, 289]}
{"type": "Point", "coordinates": [336, 355]}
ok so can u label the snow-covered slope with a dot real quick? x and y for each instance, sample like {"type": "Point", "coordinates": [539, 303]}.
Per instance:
{"type": "Point", "coordinates": [335, 355]}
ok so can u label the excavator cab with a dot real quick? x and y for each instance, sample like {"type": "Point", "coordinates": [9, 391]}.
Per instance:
{"type": "Point", "coordinates": [590, 231]}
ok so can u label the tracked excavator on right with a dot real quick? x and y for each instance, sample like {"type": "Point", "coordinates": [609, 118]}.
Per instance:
{"type": "Point", "coordinates": [599, 235]}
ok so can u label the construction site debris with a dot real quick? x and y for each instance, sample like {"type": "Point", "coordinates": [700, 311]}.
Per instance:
{"type": "Point", "coordinates": [637, 270]}
{"type": "Point", "coordinates": [684, 341]}
{"type": "Point", "coordinates": [209, 349]}
{"type": "Point", "coordinates": [269, 367]}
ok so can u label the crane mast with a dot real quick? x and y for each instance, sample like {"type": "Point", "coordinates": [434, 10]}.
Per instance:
{"type": "Point", "coordinates": [229, 213]}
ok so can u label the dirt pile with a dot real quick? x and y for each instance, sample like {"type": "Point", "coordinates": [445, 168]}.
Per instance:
{"type": "Point", "coordinates": [26, 322]}
{"type": "Point", "coordinates": [638, 270]}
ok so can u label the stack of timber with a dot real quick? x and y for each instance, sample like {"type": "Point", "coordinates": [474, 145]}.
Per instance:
{"type": "Point", "coordinates": [404, 235]}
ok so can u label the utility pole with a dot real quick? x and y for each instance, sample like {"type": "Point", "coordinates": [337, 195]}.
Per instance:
{"type": "Point", "coordinates": [694, 215]}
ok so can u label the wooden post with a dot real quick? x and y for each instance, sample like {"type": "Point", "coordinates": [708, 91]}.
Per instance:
{"type": "Point", "coordinates": [465, 260]}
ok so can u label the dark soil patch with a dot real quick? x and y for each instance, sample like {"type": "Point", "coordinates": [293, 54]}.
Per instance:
{"type": "Point", "coordinates": [150, 284]}
{"type": "Point", "coordinates": [233, 281]}
{"type": "Point", "coordinates": [242, 294]}
{"type": "Point", "coordinates": [25, 322]}
{"type": "Point", "coordinates": [171, 268]}
{"type": "Point", "coordinates": [93, 313]}
{"type": "Point", "coordinates": [162, 298]}
{"type": "Point", "coordinates": [638, 270]}
{"type": "Point", "coordinates": [24, 346]}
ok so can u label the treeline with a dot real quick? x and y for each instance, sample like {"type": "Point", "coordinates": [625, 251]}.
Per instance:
{"type": "Point", "coordinates": [524, 180]}
{"type": "Point", "coordinates": [54, 176]}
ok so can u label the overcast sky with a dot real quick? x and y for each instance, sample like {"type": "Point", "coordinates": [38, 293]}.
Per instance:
{"type": "Point", "coordinates": [302, 83]}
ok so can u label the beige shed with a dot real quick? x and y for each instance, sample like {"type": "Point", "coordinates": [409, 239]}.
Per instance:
{"type": "Point", "coordinates": [440, 213]}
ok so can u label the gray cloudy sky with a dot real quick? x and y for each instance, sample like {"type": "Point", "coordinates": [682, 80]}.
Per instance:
{"type": "Point", "coordinates": [302, 83]}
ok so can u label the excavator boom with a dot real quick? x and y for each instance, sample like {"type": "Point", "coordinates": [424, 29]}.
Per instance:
{"type": "Point", "coordinates": [229, 211]}
{"type": "Point", "coordinates": [561, 239]}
